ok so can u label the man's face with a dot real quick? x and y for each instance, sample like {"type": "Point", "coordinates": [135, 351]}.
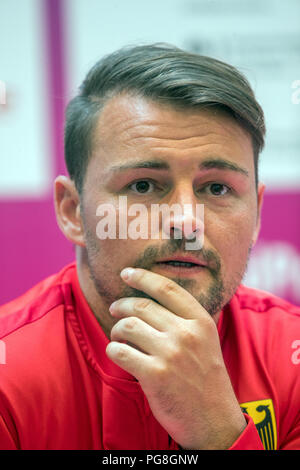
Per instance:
{"type": "Point", "coordinates": [154, 154]}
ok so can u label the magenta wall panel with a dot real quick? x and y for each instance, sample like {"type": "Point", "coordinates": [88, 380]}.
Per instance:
{"type": "Point", "coordinates": [281, 217]}
{"type": "Point", "coordinates": [31, 244]}
{"type": "Point", "coordinates": [275, 264]}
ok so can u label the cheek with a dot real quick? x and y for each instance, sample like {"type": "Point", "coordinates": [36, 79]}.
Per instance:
{"type": "Point", "coordinates": [113, 232]}
{"type": "Point", "coordinates": [231, 236]}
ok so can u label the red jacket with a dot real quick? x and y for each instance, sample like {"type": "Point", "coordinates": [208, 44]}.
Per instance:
{"type": "Point", "coordinates": [58, 389]}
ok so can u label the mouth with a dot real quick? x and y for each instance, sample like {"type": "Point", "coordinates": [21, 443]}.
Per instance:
{"type": "Point", "coordinates": [181, 265]}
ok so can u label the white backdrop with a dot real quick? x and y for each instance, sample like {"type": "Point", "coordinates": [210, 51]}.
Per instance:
{"type": "Point", "coordinates": [260, 37]}
{"type": "Point", "coordinates": [25, 160]}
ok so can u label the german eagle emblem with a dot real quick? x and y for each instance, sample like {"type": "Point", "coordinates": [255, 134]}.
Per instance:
{"type": "Point", "coordinates": [263, 415]}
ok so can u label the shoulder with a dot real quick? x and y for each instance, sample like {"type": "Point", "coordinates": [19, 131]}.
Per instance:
{"type": "Point", "coordinates": [267, 320]}
{"type": "Point", "coordinates": [32, 328]}
{"type": "Point", "coordinates": [35, 368]}
{"type": "Point", "coordinates": [266, 326]}
{"type": "Point", "coordinates": [267, 330]}
{"type": "Point", "coordinates": [33, 341]}
{"type": "Point", "coordinates": [259, 302]}
{"type": "Point", "coordinates": [34, 304]}
{"type": "Point", "coordinates": [269, 326]}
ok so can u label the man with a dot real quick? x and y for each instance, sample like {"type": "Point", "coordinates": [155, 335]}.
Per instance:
{"type": "Point", "coordinates": [146, 342]}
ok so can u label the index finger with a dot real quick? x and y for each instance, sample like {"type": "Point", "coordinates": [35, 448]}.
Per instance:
{"type": "Point", "coordinates": [167, 292]}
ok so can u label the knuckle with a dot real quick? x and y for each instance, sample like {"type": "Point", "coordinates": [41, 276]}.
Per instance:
{"type": "Point", "coordinates": [160, 372]}
{"type": "Point", "coordinates": [205, 324]}
{"type": "Point", "coordinates": [208, 325]}
{"type": "Point", "coordinates": [129, 323]}
{"type": "Point", "coordinates": [117, 351]}
{"type": "Point", "coordinates": [121, 353]}
{"type": "Point", "coordinates": [174, 354]}
{"type": "Point", "coordinates": [189, 338]}
{"type": "Point", "coordinates": [141, 305]}
{"type": "Point", "coordinates": [168, 287]}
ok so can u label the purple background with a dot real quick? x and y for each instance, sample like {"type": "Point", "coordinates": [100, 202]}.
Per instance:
{"type": "Point", "coordinates": [32, 246]}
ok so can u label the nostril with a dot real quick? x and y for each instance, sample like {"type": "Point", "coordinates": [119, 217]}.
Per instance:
{"type": "Point", "coordinates": [179, 233]}
{"type": "Point", "coordinates": [193, 234]}
{"type": "Point", "coordinates": [176, 232]}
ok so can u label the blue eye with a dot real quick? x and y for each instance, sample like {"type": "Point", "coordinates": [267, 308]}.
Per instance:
{"type": "Point", "coordinates": [142, 187]}
{"type": "Point", "coordinates": [219, 189]}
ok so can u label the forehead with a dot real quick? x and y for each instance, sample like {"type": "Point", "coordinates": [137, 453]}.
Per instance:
{"type": "Point", "coordinates": [132, 127]}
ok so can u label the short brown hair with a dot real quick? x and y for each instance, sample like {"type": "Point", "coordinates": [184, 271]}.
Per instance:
{"type": "Point", "coordinates": [163, 73]}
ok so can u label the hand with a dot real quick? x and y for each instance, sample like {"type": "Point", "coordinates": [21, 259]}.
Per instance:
{"type": "Point", "coordinates": [172, 348]}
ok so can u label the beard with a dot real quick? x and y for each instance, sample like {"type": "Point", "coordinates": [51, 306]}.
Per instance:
{"type": "Point", "coordinates": [213, 300]}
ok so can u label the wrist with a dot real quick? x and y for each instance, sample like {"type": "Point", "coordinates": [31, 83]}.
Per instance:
{"type": "Point", "coordinates": [221, 436]}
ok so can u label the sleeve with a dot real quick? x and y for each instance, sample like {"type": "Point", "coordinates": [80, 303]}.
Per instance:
{"type": "Point", "coordinates": [249, 439]}
{"type": "Point", "coordinates": [292, 440]}
{"type": "Point", "coordinates": [6, 440]}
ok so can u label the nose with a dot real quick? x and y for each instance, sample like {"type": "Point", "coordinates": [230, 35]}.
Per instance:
{"type": "Point", "coordinates": [184, 219]}
{"type": "Point", "coordinates": [181, 222]}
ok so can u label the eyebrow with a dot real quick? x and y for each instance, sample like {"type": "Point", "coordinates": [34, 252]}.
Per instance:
{"type": "Point", "coordinates": [152, 164]}
{"type": "Point", "coordinates": [210, 163]}
{"type": "Point", "coordinates": [221, 164]}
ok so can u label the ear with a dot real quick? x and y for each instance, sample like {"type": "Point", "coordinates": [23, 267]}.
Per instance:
{"type": "Point", "coordinates": [260, 197]}
{"type": "Point", "coordinates": [67, 209]}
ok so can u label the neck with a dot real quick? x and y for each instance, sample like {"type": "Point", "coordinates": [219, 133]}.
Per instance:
{"type": "Point", "coordinates": [97, 304]}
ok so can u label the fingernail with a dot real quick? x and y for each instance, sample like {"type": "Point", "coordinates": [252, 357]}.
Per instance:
{"type": "Point", "coordinates": [126, 273]}
{"type": "Point", "coordinates": [112, 306]}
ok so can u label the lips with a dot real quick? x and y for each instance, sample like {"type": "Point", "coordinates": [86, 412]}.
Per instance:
{"type": "Point", "coordinates": [182, 262]}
